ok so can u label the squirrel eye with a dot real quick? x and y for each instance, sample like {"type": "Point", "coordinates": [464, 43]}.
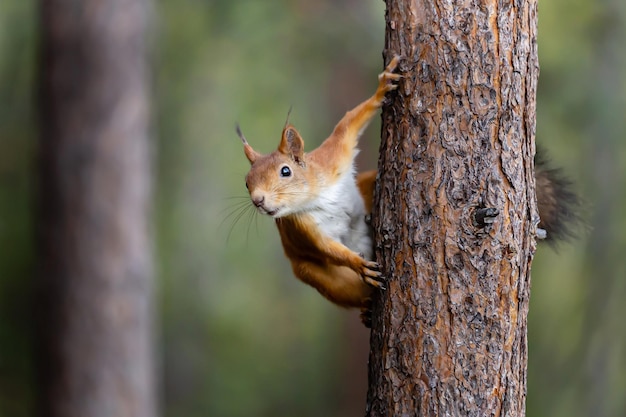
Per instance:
{"type": "Point", "coordinates": [285, 171]}
{"type": "Point", "coordinates": [247, 185]}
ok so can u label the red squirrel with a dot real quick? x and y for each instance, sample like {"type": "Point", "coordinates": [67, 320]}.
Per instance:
{"type": "Point", "coordinates": [320, 208]}
{"type": "Point", "coordinates": [320, 204]}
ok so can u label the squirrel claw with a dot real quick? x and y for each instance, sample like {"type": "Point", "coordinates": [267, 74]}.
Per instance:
{"type": "Point", "coordinates": [373, 265]}
{"type": "Point", "coordinates": [374, 282]}
{"type": "Point", "coordinates": [371, 269]}
{"type": "Point", "coordinates": [393, 64]}
{"type": "Point", "coordinates": [381, 283]}
{"type": "Point", "coordinates": [388, 79]}
{"type": "Point", "coordinates": [373, 276]}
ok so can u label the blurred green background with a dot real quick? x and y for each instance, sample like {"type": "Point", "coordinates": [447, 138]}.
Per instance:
{"type": "Point", "coordinates": [237, 334]}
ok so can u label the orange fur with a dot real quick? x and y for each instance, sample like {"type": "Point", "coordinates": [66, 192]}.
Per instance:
{"type": "Point", "coordinates": [366, 182]}
{"type": "Point", "coordinates": [308, 193]}
{"type": "Point", "coordinates": [325, 264]}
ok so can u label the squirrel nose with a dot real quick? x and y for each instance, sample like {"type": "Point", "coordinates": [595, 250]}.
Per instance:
{"type": "Point", "coordinates": [258, 201]}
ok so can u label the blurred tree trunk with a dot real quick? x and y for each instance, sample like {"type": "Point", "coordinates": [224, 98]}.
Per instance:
{"type": "Point", "coordinates": [449, 334]}
{"type": "Point", "coordinates": [96, 275]}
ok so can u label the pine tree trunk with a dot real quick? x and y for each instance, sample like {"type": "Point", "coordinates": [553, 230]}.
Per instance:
{"type": "Point", "coordinates": [449, 334]}
{"type": "Point", "coordinates": [96, 276]}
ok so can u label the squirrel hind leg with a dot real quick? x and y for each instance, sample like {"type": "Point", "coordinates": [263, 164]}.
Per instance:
{"type": "Point", "coordinates": [559, 206]}
{"type": "Point", "coordinates": [366, 314]}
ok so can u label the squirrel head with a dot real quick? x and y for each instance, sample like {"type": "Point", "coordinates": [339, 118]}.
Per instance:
{"type": "Point", "coordinates": [279, 183]}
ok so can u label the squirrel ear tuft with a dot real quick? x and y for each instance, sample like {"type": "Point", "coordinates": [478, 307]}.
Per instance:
{"type": "Point", "coordinates": [251, 154]}
{"type": "Point", "coordinates": [292, 144]}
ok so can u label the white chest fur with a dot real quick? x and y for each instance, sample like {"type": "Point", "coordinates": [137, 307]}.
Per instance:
{"type": "Point", "coordinates": [340, 214]}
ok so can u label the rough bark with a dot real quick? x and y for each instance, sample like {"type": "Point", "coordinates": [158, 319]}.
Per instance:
{"type": "Point", "coordinates": [449, 334]}
{"type": "Point", "coordinates": [96, 276]}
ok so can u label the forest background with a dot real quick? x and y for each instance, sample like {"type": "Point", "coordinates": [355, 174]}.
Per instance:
{"type": "Point", "coordinates": [237, 335]}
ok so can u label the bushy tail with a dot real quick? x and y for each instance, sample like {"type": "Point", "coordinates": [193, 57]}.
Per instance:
{"type": "Point", "coordinates": [559, 206]}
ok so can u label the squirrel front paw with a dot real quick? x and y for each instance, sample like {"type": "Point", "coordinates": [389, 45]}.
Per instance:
{"type": "Point", "coordinates": [370, 272]}
{"type": "Point", "coordinates": [388, 80]}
